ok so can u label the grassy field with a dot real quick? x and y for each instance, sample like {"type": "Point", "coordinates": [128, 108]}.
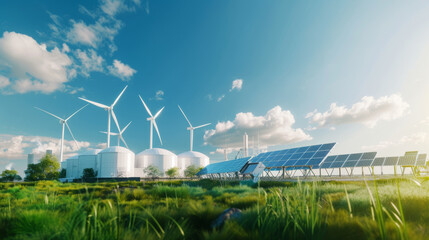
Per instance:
{"type": "Point", "coordinates": [388, 209]}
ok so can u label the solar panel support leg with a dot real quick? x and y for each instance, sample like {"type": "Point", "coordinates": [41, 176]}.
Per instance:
{"type": "Point", "coordinates": [363, 173]}
{"type": "Point", "coordinates": [339, 171]}
{"type": "Point", "coordinates": [283, 175]}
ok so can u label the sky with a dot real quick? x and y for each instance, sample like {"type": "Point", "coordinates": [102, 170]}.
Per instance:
{"type": "Point", "coordinates": [287, 73]}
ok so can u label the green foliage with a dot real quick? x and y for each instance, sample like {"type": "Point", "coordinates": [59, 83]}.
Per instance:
{"type": "Point", "coordinates": [88, 173]}
{"type": "Point", "coordinates": [10, 176]}
{"type": "Point", "coordinates": [152, 171]}
{"type": "Point", "coordinates": [47, 169]}
{"type": "Point", "coordinates": [177, 210]}
{"type": "Point", "coordinates": [172, 172]}
{"type": "Point", "coordinates": [192, 170]}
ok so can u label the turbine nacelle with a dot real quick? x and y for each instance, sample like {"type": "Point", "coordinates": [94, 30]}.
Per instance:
{"type": "Point", "coordinates": [191, 128]}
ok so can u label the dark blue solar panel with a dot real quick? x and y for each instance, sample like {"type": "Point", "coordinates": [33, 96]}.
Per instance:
{"type": "Point", "coordinates": [224, 167]}
{"type": "Point", "coordinates": [349, 160]}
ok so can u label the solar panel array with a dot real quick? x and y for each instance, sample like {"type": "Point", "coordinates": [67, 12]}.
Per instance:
{"type": "Point", "coordinates": [302, 156]}
{"type": "Point", "coordinates": [408, 159]}
{"type": "Point", "coordinates": [349, 160]}
{"type": "Point", "coordinates": [224, 167]}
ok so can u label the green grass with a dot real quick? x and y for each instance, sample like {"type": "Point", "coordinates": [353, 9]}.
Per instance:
{"type": "Point", "coordinates": [388, 209]}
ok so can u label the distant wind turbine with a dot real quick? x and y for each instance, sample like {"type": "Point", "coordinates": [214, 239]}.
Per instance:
{"type": "Point", "coordinates": [191, 128]}
{"type": "Point", "coordinates": [119, 134]}
{"type": "Point", "coordinates": [64, 123]}
{"type": "Point", "coordinates": [152, 122]}
{"type": "Point", "coordinates": [109, 110]}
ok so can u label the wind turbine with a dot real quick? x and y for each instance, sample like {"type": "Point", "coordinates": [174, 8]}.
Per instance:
{"type": "Point", "coordinates": [191, 128]}
{"type": "Point", "coordinates": [109, 110]}
{"type": "Point", "coordinates": [152, 122]}
{"type": "Point", "coordinates": [119, 134]}
{"type": "Point", "coordinates": [64, 123]}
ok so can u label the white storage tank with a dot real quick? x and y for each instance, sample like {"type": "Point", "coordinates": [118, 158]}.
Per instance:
{"type": "Point", "coordinates": [115, 162]}
{"type": "Point", "coordinates": [88, 159]}
{"type": "Point", "coordinates": [158, 157]}
{"type": "Point", "coordinates": [72, 167]}
{"type": "Point", "coordinates": [191, 158]}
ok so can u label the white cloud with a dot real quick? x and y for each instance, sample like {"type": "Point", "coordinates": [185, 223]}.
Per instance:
{"type": "Point", "coordinates": [90, 61]}
{"type": "Point", "coordinates": [159, 95]}
{"type": "Point", "coordinates": [367, 111]}
{"type": "Point", "coordinates": [84, 34]}
{"type": "Point", "coordinates": [33, 67]}
{"type": "Point", "coordinates": [4, 81]}
{"type": "Point", "coordinates": [237, 84]}
{"type": "Point", "coordinates": [113, 7]}
{"type": "Point", "coordinates": [220, 98]}
{"type": "Point", "coordinates": [17, 146]}
{"type": "Point", "coordinates": [121, 70]}
{"type": "Point", "coordinates": [416, 138]}
{"type": "Point", "coordinates": [275, 128]}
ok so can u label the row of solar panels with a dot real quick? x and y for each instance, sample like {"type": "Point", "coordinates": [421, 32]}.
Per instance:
{"type": "Point", "coordinates": [315, 156]}
{"type": "Point", "coordinates": [294, 157]}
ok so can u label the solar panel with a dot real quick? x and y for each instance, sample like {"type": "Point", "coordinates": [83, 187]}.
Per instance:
{"type": "Point", "coordinates": [366, 159]}
{"type": "Point", "coordinates": [302, 156]}
{"type": "Point", "coordinates": [391, 161]}
{"type": "Point", "coordinates": [378, 161]}
{"type": "Point", "coordinates": [408, 159]}
{"type": "Point", "coordinates": [224, 167]}
{"type": "Point", "coordinates": [349, 160]}
{"type": "Point", "coordinates": [421, 159]}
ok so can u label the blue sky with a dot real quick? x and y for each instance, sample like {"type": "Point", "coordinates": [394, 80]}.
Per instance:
{"type": "Point", "coordinates": [294, 60]}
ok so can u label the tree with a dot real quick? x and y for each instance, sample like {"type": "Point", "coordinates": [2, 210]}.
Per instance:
{"type": "Point", "coordinates": [192, 170]}
{"type": "Point", "coordinates": [10, 175]}
{"type": "Point", "coordinates": [88, 173]}
{"type": "Point", "coordinates": [152, 171]}
{"type": "Point", "coordinates": [172, 172]}
{"type": "Point", "coordinates": [47, 169]}
{"type": "Point", "coordinates": [63, 173]}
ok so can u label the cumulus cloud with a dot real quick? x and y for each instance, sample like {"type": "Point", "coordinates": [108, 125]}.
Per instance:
{"type": "Point", "coordinates": [84, 34]}
{"type": "Point", "coordinates": [113, 7]}
{"type": "Point", "coordinates": [367, 111]}
{"type": "Point", "coordinates": [33, 66]}
{"type": "Point", "coordinates": [237, 84]}
{"type": "Point", "coordinates": [17, 146]}
{"type": "Point", "coordinates": [121, 70]}
{"type": "Point", "coordinates": [275, 128]}
{"type": "Point", "coordinates": [90, 61]}
{"type": "Point", "coordinates": [416, 138]}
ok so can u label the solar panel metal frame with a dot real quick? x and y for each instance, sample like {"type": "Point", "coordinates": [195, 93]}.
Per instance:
{"type": "Point", "coordinates": [391, 161]}
{"type": "Point", "coordinates": [409, 159]}
{"type": "Point", "coordinates": [378, 162]}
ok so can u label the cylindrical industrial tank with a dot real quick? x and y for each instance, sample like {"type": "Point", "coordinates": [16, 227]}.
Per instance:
{"type": "Point", "coordinates": [158, 157]}
{"type": "Point", "coordinates": [115, 162]}
{"type": "Point", "coordinates": [72, 165]}
{"type": "Point", "coordinates": [88, 159]}
{"type": "Point", "coordinates": [191, 158]}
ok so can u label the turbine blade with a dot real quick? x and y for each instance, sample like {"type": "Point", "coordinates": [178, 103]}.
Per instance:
{"type": "Point", "coordinates": [49, 113]}
{"type": "Point", "coordinates": [116, 121]}
{"type": "Point", "coordinates": [111, 133]}
{"type": "Point", "coordinates": [72, 135]}
{"type": "Point", "coordinates": [75, 112]}
{"type": "Point", "coordinates": [156, 128]}
{"type": "Point", "coordinates": [94, 103]}
{"type": "Point", "coordinates": [144, 104]}
{"type": "Point", "coordinates": [123, 140]}
{"type": "Point", "coordinates": [125, 128]}
{"type": "Point", "coordinates": [202, 125]}
{"type": "Point", "coordinates": [159, 112]}
{"type": "Point", "coordinates": [185, 116]}
{"type": "Point", "coordinates": [114, 103]}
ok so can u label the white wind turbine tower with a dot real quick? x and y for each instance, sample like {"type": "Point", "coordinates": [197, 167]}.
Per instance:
{"type": "Point", "coordinates": [119, 134]}
{"type": "Point", "coordinates": [191, 128]}
{"type": "Point", "coordinates": [64, 123]}
{"type": "Point", "coordinates": [152, 122]}
{"type": "Point", "coordinates": [109, 110]}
